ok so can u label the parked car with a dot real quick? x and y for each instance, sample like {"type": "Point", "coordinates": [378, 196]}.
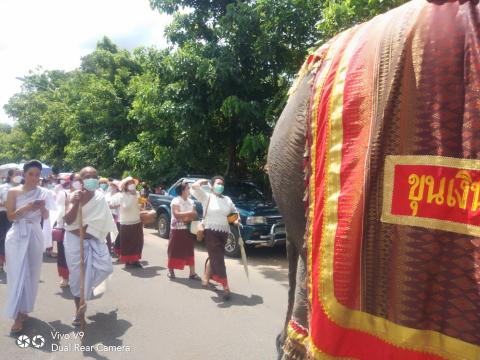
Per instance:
{"type": "Point", "coordinates": [261, 222]}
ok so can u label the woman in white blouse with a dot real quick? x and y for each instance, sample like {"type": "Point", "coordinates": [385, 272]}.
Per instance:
{"type": "Point", "coordinates": [180, 246]}
{"type": "Point", "coordinates": [216, 208]}
{"type": "Point", "coordinates": [131, 227]}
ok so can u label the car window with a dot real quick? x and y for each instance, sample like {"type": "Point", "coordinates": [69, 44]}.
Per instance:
{"type": "Point", "coordinates": [244, 191]}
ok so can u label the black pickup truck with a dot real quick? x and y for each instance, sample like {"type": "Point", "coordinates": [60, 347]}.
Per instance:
{"type": "Point", "coordinates": [261, 222]}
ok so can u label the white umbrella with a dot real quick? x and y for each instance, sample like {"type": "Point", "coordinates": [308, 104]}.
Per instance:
{"type": "Point", "coordinates": [5, 167]}
{"type": "Point", "coordinates": [46, 170]}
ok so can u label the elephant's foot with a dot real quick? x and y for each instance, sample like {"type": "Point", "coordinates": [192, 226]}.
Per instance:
{"type": "Point", "coordinates": [280, 342]}
{"type": "Point", "coordinates": [294, 350]}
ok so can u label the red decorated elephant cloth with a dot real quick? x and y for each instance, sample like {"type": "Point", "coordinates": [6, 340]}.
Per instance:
{"type": "Point", "coordinates": [393, 174]}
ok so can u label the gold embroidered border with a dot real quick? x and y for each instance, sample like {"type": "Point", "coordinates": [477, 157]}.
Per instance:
{"type": "Point", "coordinates": [318, 89]}
{"type": "Point", "coordinates": [317, 354]}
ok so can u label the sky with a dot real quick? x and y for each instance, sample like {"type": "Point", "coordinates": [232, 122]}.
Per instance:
{"type": "Point", "coordinates": [55, 34]}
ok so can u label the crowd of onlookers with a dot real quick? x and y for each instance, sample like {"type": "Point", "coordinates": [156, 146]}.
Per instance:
{"type": "Point", "coordinates": [114, 213]}
{"type": "Point", "coordinates": [126, 199]}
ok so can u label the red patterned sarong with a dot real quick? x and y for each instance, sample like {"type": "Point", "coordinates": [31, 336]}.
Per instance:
{"type": "Point", "coordinates": [180, 249]}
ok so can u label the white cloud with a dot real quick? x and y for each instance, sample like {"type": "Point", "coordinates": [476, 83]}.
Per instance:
{"type": "Point", "coordinates": [55, 34]}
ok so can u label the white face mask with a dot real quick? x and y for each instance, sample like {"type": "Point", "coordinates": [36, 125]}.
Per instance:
{"type": "Point", "coordinates": [62, 182]}
{"type": "Point", "coordinates": [17, 179]}
{"type": "Point", "coordinates": [77, 185]}
{"type": "Point", "coordinates": [131, 187]}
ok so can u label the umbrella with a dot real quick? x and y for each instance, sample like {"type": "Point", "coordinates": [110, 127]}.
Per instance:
{"type": "Point", "coordinates": [46, 170]}
{"type": "Point", "coordinates": [5, 167]}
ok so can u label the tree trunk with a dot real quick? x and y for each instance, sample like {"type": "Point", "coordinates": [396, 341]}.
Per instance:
{"type": "Point", "coordinates": [232, 165]}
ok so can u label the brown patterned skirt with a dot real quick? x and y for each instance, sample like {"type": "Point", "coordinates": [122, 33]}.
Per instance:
{"type": "Point", "coordinates": [215, 241]}
{"type": "Point", "coordinates": [131, 243]}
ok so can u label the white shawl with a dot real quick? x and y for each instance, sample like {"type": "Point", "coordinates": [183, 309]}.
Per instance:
{"type": "Point", "coordinates": [97, 217]}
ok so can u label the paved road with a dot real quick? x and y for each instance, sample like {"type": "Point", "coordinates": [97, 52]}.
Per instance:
{"type": "Point", "coordinates": [144, 315]}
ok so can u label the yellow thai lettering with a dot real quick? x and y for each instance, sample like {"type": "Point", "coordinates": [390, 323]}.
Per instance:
{"type": "Point", "coordinates": [437, 196]}
{"type": "Point", "coordinates": [465, 186]}
{"type": "Point", "coordinates": [451, 201]}
{"type": "Point", "coordinates": [476, 192]}
{"type": "Point", "coordinates": [457, 191]}
{"type": "Point", "coordinates": [417, 188]}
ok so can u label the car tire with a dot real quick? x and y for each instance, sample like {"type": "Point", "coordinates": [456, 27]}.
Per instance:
{"type": "Point", "coordinates": [232, 249]}
{"type": "Point", "coordinates": [163, 225]}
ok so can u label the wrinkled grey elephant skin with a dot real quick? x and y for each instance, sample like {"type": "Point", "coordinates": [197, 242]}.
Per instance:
{"type": "Point", "coordinates": [286, 172]}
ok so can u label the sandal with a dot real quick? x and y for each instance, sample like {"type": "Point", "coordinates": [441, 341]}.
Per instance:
{"type": "Point", "coordinates": [64, 284]}
{"type": "Point", "coordinates": [76, 321]}
{"type": "Point", "coordinates": [14, 331]}
{"type": "Point", "coordinates": [194, 277]}
{"type": "Point", "coordinates": [208, 286]}
{"type": "Point", "coordinates": [137, 264]}
{"type": "Point", "coordinates": [226, 295]}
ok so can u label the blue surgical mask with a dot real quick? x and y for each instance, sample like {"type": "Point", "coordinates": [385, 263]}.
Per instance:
{"type": "Point", "coordinates": [90, 184]}
{"type": "Point", "coordinates": [218, 188]}
{"type": "Point", "coordinates": [104, 186]}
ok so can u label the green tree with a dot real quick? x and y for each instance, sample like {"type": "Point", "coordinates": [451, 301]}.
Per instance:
{"type": "Point", "coordinates": [207, 104]}
{"type": "Point", "coordinates": [81, 117]}
{"type": "Point", "coordinates": [12, 140]}
{"type": "Point", "coordinates": [231, 67]}
{"type": "Point", "coordinates": [339, 15]}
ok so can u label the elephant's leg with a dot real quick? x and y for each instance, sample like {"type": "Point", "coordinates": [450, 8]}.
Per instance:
{"type": "Point", "coordinates": [286, 172]}
{"type": "Point", "coordinates": [294, 349]}
{"type": "Point", "coordinates": [292, 256]}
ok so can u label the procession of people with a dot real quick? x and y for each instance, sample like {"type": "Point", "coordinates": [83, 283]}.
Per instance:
{"type": "Point", "coordinates": [104, 215]}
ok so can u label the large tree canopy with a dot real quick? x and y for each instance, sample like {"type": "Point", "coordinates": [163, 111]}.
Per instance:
{"type": "Point", "coordinates": [207, 104]}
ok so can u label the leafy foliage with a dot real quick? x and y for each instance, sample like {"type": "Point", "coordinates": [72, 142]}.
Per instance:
{"type": "Point", "coordinates": [207, 104]}
{"type": "Point", "coordinates": [339, 15]}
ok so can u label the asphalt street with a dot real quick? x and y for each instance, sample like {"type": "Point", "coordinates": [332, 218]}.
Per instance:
{"type": "Point", "coordinates": [145, 315]}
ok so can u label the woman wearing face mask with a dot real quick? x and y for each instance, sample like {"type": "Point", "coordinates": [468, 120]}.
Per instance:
{"type": "Point", "coordinates": [103, 184]}
{"type": "Point", "coordinates": [216, 208]}
{"type": "Point", "coordinates": [26, 206]}
{"type": "Point", "coordinates": [131, 227]}
{"type": "Point", "coordinates": [51, 182]}
{"type": "Point", "coordinates": [180, 246]}
{"type": "Point", "coordinates": [47, 223]}
{"type": "Point", "coordinates": [13, 179]}
{"type": "Point", "coordinates": [113, 246]}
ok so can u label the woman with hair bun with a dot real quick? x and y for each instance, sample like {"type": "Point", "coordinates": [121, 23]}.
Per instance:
{"type": "Point", "coordinates": [216, 208]}
{"type": "Point", "coordinates": [26, 206]}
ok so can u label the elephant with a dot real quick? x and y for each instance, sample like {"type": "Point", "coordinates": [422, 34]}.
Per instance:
{"type": "Point", "coordinates": [408, 91]}
{"type": "Point", "coordinates": [285, 159]}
